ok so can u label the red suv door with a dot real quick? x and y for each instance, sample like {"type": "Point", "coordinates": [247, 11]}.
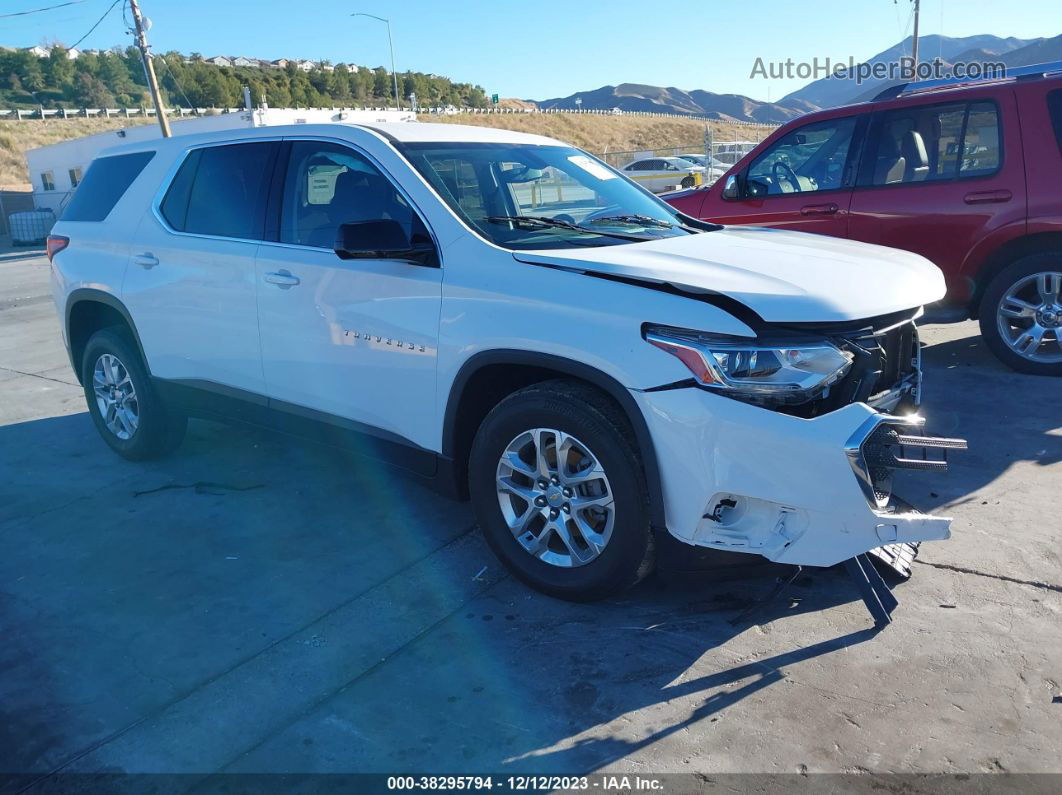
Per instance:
{"type": "Point", "coordinates": [937, 178]}
{"type": "Point", "coordinates": [800, 181]}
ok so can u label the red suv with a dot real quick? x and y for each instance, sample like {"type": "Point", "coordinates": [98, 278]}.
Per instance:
{"type": "Point", "coordinates": [968, 175]}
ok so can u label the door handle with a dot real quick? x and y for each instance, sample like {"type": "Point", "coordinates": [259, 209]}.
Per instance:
{"type": "Point", "coordinates": [146, 260]}
{"type": "Point", "coordinates": [988, 197]}
{"type": "Point", "coordinates": [819, 209]}
{"type": "Point", "coordinates": [282, 279]}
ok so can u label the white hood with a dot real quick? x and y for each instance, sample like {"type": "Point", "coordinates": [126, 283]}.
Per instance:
{"type": "Point", "coordinates": [782, 276]}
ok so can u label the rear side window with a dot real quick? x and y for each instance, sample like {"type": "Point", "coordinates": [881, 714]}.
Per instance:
{"type": "Point", "coordinates": [221, 191]}
{"type": "Point", "coordinates": [929, 143]}
{"type": "Point", "coordinates": [107, 180]}
{"type": "Point", "coordinates": [1054, 107]}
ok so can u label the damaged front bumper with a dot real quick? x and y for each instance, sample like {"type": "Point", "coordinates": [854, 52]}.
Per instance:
{"type": "Point", "coordinates": [811, 492]}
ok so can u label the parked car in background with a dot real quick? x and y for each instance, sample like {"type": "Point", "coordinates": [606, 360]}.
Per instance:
{"type": "Point", "coordinates": [731, 152]}
{"type": "Point", "coordinates": [713, 169]}
{"type": "Point", "coordinates": [593, 368]}
{"type": "Point", "coordinates": [664, 173]}
{"type": "Point", "coordinates": [965, 174]}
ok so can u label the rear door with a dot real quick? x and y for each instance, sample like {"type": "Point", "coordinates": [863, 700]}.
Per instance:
{"type": "Point", "coordinates": [939, 177]}
{"type": "Point", "coordinates": [802, 181]}
{"type": "Point", "coordinates": [190, 284]}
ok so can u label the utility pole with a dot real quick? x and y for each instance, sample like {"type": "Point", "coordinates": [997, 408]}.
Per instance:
{"type": "Point", "coordinates": [149, 68]}
{"type": "Point", "coordinates": [914, 42]}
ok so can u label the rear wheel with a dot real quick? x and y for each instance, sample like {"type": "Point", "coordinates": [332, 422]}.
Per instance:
{"type": "Point", "coordinates": [125, 407]}
{"type": "Point", "coordinates": [559, 492]}
{"type": "Point", "coordinates": [688, 182]}
{"type": "Point", "coordinates": [1021, 314]}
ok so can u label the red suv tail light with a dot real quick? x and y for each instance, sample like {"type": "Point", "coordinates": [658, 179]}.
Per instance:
{"type": "Point", "coordinates": [56, 243]}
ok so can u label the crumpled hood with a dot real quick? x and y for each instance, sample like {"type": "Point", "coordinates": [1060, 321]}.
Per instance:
{"type": "Point", "coordinates": [782, 276]}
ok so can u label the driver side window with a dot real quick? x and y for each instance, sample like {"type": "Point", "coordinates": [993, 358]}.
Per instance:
{"type": "Point", "coordinates": [808, 159]}
{"type": "Point", "coordinates": [327, 185]}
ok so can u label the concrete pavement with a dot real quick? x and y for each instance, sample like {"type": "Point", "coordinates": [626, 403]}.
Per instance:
{"type": "Point", "coordinates": [254, 604]}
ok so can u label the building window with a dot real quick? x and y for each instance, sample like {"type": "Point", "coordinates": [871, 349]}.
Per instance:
{"type": "Point", "coordinates": [47, 180]}
{"type": "Point", "coordinates": [75, 177]}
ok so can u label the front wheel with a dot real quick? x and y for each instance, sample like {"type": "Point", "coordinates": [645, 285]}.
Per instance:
{"type": "Point", "coordinates": [559, 492]}
{"type": "Point", "coordinates": [125, 407]}
{"type": "Point", "coordinates": [1021, 314]}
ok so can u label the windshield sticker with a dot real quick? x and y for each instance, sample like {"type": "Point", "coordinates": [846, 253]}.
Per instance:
{"type": "Point", "coordinates": [591, 167]}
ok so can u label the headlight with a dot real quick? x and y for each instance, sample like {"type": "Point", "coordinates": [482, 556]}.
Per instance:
{"type": "Point", "coordinates": [753, 370]}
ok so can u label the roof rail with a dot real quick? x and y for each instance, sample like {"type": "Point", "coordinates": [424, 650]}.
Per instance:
{"type": "Point", "coordinates": [1033, 72]}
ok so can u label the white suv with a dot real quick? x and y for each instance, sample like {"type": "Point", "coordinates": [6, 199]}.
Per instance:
{"type": "Point", "coordinates": [512, 319]}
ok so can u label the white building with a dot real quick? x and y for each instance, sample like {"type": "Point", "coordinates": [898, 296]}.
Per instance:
{"type": "Point", "coordinates": [56, 170]}
{"type": "Point", "coordinates": [306, 66]}
{"type": "Point", "coordinates": [240, 60]}
{"type": "Point", "coordinates": [220, 60]}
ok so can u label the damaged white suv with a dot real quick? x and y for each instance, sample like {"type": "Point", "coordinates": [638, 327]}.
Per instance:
{"type": "Point", "coordinates": [509, 317]}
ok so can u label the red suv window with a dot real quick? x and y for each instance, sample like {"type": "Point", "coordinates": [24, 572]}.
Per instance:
{"type": "Point", "coordinates": [1054, 107]}
{"type": "Point", "coordinates": [926, 143]}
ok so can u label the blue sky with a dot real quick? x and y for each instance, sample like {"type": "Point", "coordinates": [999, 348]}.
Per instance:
{"type": "Point", "coordinates": [539, 49]}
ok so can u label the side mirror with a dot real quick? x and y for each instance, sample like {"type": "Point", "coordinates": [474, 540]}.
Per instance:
{"type": "Point", "coordinates": [732, 188]}
{"type": "Point", "coordinates": [383, 239]}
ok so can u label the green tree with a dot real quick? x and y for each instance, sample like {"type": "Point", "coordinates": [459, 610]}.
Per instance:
{"type": "Point", "coordinates": [58, 68]}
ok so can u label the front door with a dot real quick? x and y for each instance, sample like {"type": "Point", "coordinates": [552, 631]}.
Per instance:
{"type": "Point", "coordinates": [352, 339]}
{"type": "Point", "coordinates": [802, 181]}
{"type": "Point", "coordinates": [190, 284]}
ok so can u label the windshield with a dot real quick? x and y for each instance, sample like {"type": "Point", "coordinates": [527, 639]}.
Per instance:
{"type": "Point", "coordinates": [540, 197]}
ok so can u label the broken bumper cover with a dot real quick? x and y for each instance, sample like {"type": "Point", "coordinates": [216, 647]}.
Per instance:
{"type": "Point", "coordinates": [811, 492]}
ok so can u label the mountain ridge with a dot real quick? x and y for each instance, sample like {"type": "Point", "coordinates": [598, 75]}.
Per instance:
{"type": "Point", "coordinates": [819, 94]}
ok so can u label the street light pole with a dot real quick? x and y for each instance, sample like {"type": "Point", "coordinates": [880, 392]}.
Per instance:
{"type": "Point", "coordinates": [390, 44]}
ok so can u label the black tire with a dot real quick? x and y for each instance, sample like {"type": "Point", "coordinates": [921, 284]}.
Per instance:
{"type": "Point", "coordinates": [590, 416]}
{"type": "Point", "coordinates": [688, 182]}
{"type": "Point", "coordinates": [989, 309]}
{"type": "Point", "coordinates": [160, 430]}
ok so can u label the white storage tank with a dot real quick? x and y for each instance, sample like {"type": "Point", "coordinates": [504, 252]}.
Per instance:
{"type": "Point", "coordinates": [30, 227]}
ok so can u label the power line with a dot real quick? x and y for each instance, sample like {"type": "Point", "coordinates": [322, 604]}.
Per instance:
{"type": "Point", "coordinates": [38, 10]}
{"type": "Point", "coordinates": [175, 81]}
{"type": "Point", "coordinates": [98, 21]}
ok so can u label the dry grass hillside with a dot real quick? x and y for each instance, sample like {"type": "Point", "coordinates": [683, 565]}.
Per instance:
{"type": "Point", "coordinates": [18, 136]}
{"type": "Point", "coordinates": [614, 133]}
{"type": "Point", "coordinates": [593, 133]}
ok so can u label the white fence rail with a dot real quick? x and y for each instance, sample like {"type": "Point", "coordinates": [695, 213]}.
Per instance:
{"type": "Point", "coordinates": [38, 114]}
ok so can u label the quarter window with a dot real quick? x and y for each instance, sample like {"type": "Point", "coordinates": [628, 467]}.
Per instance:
{"type": "Point", "coordinates": [328, 185]}
{"type": "Point", "coordinates": [220, 191]}
{"type": "Point", "coordinates": [105, 182]}
{"type": "Point", "coordinates": [930, 143]}
{"type": "Point", "coordinates": [1054, 108]}
{"type": "Point", "coordinates": [809, 159]}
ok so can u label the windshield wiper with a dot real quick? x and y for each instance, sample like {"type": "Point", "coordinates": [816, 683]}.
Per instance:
{"type": "Point", "coordinates": [543, 221]}
{"type": "Point", "coordinates": [640, 220]}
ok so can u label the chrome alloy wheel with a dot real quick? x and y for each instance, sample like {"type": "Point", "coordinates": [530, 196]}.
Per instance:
{"type": "Point", "coordinates": [1029, 317]}
{"type": "Point", "coordinates": [555, 497]}
{"type": "Point", "coordinates": [115, 396]}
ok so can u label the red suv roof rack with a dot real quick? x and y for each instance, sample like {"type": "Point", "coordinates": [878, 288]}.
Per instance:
{"type": "Point", "coordinates": [1033, 72]}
